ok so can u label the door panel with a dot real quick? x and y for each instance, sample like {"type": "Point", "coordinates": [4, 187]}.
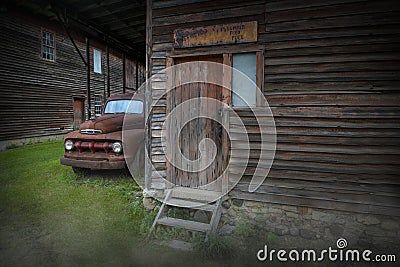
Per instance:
{"type": "Point", "coordinates": [198, 128]}
{"type": "Point", "coordinates": [79, 111]}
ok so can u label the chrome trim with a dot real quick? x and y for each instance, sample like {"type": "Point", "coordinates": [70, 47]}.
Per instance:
{"type": "Point", "coordinates": [91, 131]}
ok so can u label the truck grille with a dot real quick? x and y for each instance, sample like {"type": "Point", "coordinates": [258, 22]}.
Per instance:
{"type": "Point", "coordinates": [91, 131]}
{"type": "Point", "coordinates": [93, 146]}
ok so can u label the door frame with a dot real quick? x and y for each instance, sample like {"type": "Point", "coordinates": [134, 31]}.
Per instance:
{"type": "Point", "coordinates": [75, 99]}
{"type": "Point", "coordinates": [227, 54]}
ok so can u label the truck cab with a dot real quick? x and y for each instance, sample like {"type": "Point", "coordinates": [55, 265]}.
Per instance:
{"type": "Point", "coordinates": [98, 143]}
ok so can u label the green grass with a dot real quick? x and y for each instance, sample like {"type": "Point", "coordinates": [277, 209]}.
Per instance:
{"type": "Point", "coordinates": [49, 216]}
{"type": "Point", "coordinates": [215, 247]}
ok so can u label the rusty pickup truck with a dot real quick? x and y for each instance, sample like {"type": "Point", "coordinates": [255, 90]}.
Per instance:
{"type": "Point", "coordinates": [98, 143]}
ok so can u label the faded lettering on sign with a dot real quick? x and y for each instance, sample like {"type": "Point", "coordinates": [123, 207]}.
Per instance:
{"type": "Point", "coordinates": [242, 32]}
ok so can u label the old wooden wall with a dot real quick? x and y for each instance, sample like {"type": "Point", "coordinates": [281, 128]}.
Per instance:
{"type": "Point", "coordinates": [37, 95]}
{"type": "Point", "coordinates": [332, 78]}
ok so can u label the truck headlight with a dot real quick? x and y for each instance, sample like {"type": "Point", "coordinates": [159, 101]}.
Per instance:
{"type": "Point", "coordinates": [69, 145]}
{"type": "Point", "coordinates": [117, 147]}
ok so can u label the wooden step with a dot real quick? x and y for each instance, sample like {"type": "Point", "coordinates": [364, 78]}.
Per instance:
{"type": "Point", "coordinates": [188, 225]}
{"type": "Point", "coordinates": [195, 194]}
{"type": "Point", "coordinates": [190, 204]}
{"type": "Point", "coordinates": [157, 185]}
{"type": "Point", "coordinates": [190, 198]}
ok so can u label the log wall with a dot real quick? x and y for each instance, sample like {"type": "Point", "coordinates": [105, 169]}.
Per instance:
{"type": "Point", "coordinates": [332, 79]}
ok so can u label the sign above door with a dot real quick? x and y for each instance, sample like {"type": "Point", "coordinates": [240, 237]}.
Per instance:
{"type": "Point", "coordinates": [232, 33]}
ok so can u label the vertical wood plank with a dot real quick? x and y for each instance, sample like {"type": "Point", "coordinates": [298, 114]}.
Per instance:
{"type": "Point", "coordinates": [225, 152]}
{"type": "Point", "coordinates": [212, 93]}
{"type": "Point", "coordinates": [206, 124]}
{"type": "Point", "coordinates": [170, 123]}
{"type": "Point", "coordinates": [227, 79]}
{"type": "Point", "coordinates": [227, 99]}
{"type": "Point", "coordinates": [221, 156]}
{"type": "Point", "coordinates": [185, 135]}
{"type": "Point", "coordinates": [148, 95]}
{"type": "Point", "coordinates": [178, 99]}
{"type": "Point", "coordinates": [260, 79]}
{"type": "Point", "coordinates": [199, 129]}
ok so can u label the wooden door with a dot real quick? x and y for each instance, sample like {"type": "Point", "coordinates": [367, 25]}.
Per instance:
{"type": "Point", "coordinates": [79, 111]}
{"type": "Point", "coordinates": [198, 128]}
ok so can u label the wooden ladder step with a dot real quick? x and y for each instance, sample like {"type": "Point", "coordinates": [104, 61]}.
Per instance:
{"type": "Point", "coordinates": [195, 194]}
{"type": "Point", "coordinates": [188, 225]}
{"type": "Point", "coordinates": [191, 204]}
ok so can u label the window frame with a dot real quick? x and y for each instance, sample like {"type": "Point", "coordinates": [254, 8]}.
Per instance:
{"type": "Point", "coordinates": [94, 61]}
{"type": "Point", "coordinates": [98, 107]}
{"type": "Point", "coordinates": [245, 63]}
{"type": "Point", "coordinates": [227, 53]}
{"type": "Point", "coordinates": [43, 45]}
{"type": "Point", "coordinates": [228, 60]}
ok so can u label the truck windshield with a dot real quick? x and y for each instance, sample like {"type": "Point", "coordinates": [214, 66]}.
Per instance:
{"type": "Point", "coordinates": [124, 106]}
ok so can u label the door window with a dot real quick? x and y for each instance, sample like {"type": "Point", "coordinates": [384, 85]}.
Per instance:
{"type": "Point", "coordinates": [244, 88]}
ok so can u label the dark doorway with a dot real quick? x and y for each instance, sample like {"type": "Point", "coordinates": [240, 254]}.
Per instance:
{"type": "Point", "coordinates": [79, 111]}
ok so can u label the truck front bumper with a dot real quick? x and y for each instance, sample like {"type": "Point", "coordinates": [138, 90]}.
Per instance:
{"type": "Point", "coordinates": [91, 164]}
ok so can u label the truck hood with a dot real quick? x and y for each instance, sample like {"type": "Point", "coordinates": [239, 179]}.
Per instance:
{"type": "Point", "coordinates": [107, 123]}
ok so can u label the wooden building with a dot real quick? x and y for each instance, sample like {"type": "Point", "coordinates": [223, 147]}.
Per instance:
{"type": "Point", "coordinates": [328, 69]}
{"type": "Point", "coordinates": [330, 73]}
{"type": "Point", "coordinates": [44, 81]}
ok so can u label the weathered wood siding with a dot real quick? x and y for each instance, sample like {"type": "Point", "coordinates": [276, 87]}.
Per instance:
{"type": "Point", "coordinates": [332, 78]}
{"type": "Point", "coordinates": [37, 95]}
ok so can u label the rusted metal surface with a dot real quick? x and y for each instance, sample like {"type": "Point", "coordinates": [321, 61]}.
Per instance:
{"type": "Point", "coordinates": [108, 123]}
{"type": "Point", "coordinates": [94, 151]}
{"type": "Point", "coordinates": [243, 32]}
{"type": "Point", "coordinates": [94, 164]}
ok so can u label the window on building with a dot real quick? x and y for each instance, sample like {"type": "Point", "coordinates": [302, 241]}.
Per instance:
{"type": "Point", "coordinates": [98, 105]}
{"type": "Point", "coordinates": [244, 91]}
{"type": "Point", "coordinates": [48, 45]}
{"type": "Point", "coordinates": [97, 61]}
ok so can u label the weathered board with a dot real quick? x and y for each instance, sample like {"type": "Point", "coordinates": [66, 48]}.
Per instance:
{"type": "Point", "coordinates": [196, 130]}
{"type": "Point", "coordinates": [242, 32]}
{"type": "Point", "coordinates": [331, 76]}
{"type": "Point", "coordinates": [37, 95]}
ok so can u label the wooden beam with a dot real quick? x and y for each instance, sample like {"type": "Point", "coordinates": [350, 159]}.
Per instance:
{"type": "Point", "coordinates": [227, 79]}
{"type": "Point", "coordinates": [260, 100]}
{"type": "Point", "coordinates": [137, 75]}
{"type": "Point", "coordinates": [88, 77]}
{"type": "Point", "coordinates": [128, 32]}
{"type": "Point", "coordinates": [108, 71]}
{"type": "Point", "coordinates": [123, 73]}
{"type": "Point", "coordinates": [90, 4]}
{"type": "Point", "coordinates": [169, 106]}
{"type": "Point", "coordinates": [117, 26]}
{"type": "Point", "coordinates": [148, 96]}
{"type": "Point", "coordinates": [118, 12]}
{"type": "Point", "coordinates": [112, 18]}
{"type": "Point", "coordinates": [71, 39]}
